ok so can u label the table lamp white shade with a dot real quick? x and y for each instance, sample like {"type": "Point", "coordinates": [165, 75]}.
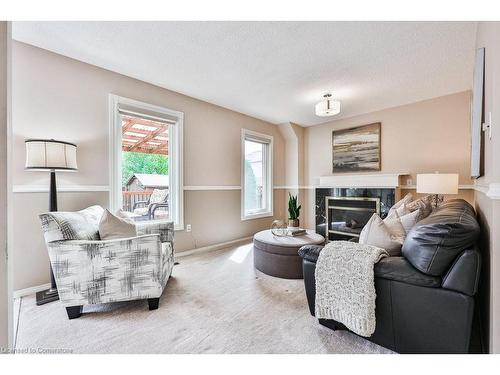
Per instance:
{"type": "Point", "coordinates": [437, 183]}
{"type": "Point", "coordinates": [49, 154]}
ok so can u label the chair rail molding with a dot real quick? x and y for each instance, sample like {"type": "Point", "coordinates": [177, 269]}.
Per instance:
{"type": "Point", "coordinates": [27, 188]}
{"type": "Point", "coordinates": [211, 187]}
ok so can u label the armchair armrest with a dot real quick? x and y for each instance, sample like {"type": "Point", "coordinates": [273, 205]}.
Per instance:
{"type": "Point", "coordinates": [310, 252]}
{"type": "Point", "coordinates": [164, 228]}
{"type": "Point", "coordinates": [463, 275]}
{"type": "Point", "coordinates": [140, 203]}
{"type": "Point", "coordinates": [153, 207]}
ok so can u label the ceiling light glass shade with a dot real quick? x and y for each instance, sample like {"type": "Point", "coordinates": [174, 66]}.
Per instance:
{"type": "Point", "coordinates": [49, 154]}
{"type": "Point", "coordinates": [328, 107]}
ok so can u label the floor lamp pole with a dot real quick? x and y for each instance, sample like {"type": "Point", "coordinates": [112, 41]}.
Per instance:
{"type": "Point", "coordinates": [51, 294]}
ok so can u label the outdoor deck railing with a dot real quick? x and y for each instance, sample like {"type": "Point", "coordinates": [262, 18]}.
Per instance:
{"type": "Point", "coordinates": [131, 197]}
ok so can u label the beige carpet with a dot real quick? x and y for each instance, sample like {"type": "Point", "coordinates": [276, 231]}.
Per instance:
{"type": "Point", "coordinates": [214, 303]}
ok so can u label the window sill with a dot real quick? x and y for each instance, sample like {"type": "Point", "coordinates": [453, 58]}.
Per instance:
{"type": "Point", "coordinates": [256, 216]}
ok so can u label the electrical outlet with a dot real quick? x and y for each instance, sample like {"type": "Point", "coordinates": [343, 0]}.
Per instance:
{"type": "Point", "coordinates": [188, 227]}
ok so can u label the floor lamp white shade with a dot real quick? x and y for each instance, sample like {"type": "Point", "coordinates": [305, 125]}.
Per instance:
{"type": "Point", "coordinates": [437, 183]}
{"type": "Point", "coordinates": [49, 154]}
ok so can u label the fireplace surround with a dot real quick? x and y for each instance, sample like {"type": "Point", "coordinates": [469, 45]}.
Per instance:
{"type": "Point", "coordinates": [347, 201]}
{"type": "Point", "coordinates": [348, 210]}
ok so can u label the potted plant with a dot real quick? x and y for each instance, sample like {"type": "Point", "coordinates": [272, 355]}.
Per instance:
{"type": "Point", "coordinates": [293, 212]}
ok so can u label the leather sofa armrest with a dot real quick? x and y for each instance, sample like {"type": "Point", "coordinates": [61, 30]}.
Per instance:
{"type": "Point", "coordinates": [310, 252]}
{"type": "Point", "coordinates": [399, 269]}
{"type": "Point", "coordinates": [463, 275]}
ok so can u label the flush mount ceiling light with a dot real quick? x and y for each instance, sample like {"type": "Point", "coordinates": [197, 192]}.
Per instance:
{"type": "Point", "coordinates": [328, 106]}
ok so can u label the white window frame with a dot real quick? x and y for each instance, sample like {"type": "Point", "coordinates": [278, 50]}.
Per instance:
{"type": "Point", "coordinates": [176, 142]}
{"type": "Point", "coordinates": [268, 166]}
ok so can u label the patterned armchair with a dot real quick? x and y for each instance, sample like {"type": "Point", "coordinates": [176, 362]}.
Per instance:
{"type": "Point", "coordinates": [90, 271]}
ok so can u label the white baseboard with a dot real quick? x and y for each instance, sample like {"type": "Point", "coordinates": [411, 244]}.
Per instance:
{"type": "Point", "coordinates": [28, 291]}
{"type": "Point", "coordinates": [213, 247]}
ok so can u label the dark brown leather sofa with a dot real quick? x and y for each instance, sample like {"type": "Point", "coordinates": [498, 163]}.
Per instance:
{"type": "Point", "coordinates": [425, 298]}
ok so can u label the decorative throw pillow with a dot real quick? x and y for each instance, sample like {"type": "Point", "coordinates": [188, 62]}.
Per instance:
{"type": "Point", "coordinates": [158, 196]}
{"type": "Point", "coordinates": [423, 204]}
{"type": "Point", "coordinates": [377, 233]}
{"type": "Point", "coordinates": [407, 221]}
{"type": "Point", "coordinates": [113, 227]}
{"type": "Point", "coordinates": [395, 226]}
{"type": "Point", "coordinates": [401, 205]}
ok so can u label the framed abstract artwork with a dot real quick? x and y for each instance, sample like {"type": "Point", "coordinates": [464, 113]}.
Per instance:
{"type": "Point", "coordinates": [357, 149]}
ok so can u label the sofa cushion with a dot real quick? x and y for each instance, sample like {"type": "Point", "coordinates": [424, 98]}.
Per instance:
{"type": "Point", "coordinates": [399, 269]}
{"type": "Point", "coordinates": [390, 268]}
{"type": "Point", "coordinates": [434, 242]}
{"type": "Point", "coordinates": [80, 225]}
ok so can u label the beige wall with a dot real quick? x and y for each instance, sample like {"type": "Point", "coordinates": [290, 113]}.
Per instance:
{"type": "Point", "coordinates": [488, 36]}
{"type": "Point", "coordinates": [57, 97]}
{"type": "Point", "coordinates": [294, 157]}
{"type": "Point", "coordinates": [427, 136]}
{"type": "Point", "coordinates": [3, 187]}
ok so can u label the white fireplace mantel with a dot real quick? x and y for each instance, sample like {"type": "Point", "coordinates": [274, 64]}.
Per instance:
{"type": "Point", "coordinates": [361, 180]}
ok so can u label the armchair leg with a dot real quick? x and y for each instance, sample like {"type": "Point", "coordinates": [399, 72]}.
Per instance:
{"type": "Point", "coordinates": [74, 312]}
{"type": "Point", "coordinates": [153, 303]}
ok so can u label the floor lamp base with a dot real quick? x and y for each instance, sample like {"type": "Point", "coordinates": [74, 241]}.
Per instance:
{"type": "Point", "coordinates": [46, 296]}
{"type": "Point", "coordinates": [50, 295]}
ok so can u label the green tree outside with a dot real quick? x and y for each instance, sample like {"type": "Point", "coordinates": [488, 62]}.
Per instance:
{"type": "Point", "coordinates": [138, 162]}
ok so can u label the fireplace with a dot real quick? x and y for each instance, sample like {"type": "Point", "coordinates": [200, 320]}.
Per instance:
{"type": "Point", "coordinates": [346, 216]}
{"type": "Point", "coordinates": [347, 201]}
{"type": "Point", "coordinates": [348, 210]}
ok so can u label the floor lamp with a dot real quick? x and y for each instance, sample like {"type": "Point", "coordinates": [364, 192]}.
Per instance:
{"type": "Point", "coordinates": [49, 155]}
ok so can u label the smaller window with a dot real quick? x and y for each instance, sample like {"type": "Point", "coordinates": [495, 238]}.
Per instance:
{"type": "Point", "coordinates": [256, 175]}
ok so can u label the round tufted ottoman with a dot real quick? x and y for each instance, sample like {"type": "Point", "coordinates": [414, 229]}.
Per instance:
{"type": "Point", "coordinates": [278, 256]}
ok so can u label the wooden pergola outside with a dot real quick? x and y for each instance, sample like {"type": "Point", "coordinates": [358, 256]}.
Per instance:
{"type": "Point", "coordinates": [145, 136]}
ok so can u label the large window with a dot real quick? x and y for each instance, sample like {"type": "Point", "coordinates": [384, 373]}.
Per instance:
{"type": "Point", "coordinates": [146, 161]}
{"type": "Point", "coordinates": [256, 169]}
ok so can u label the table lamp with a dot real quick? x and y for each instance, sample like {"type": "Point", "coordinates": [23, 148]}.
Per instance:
{"type": "Point", "coordinates": [437, 184]}
{"type": "Point", "coordinates": [49, 155]}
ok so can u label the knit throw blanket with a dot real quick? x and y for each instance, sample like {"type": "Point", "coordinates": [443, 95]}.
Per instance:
{"type": "Point", "coordinates": [345, 285]}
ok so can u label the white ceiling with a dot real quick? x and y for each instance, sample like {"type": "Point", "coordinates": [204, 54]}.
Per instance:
{"type": "Point", "coordinates": [275, 71]}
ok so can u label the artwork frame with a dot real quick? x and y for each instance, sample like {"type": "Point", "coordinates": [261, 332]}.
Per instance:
{"type": "Point", "coordinates": [357, 149]}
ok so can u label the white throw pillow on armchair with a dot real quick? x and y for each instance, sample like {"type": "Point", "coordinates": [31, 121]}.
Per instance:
{"type": "Point", "coordinates": [113, 227]}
